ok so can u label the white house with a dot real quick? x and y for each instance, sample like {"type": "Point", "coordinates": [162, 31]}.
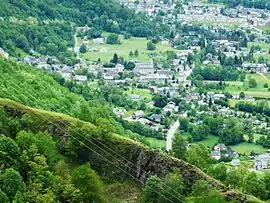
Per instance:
{"type": "Point", "coordinates": [98, 40]}
{"type": "Point", "coordinates": [144, 68]}
{"type": "Point", "coordinates": [80, 78]}
{"type": "Point", "coordinates": [262, 161]}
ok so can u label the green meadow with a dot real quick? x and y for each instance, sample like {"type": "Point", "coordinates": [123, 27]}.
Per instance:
{"type": "Point", "coordinates": [123, 49]}
{"type": "Point", "coordinates": [235, 87]}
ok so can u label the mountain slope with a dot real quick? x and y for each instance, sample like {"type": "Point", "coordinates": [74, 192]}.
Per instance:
{"type": "Point", "coordinates": [113, 156]}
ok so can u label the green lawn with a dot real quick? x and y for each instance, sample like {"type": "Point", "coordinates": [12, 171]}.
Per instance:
{"type": "Point", "coordinates": [156, 144]}
{"type": "Point", "coordinates": [264, 46]}
{"type": "Point", "coordinates": [235, 87]}
{"type": "Point", "coordinates": [210, 141]}
{"type": "Point", "coordinates": [145, 94]}
{"type": "Point", "coordinates": [256, 136]}
{"type": "Point", "coordinates": [123, 49]}
{"type": "Point", "coordinates": [246, 148]}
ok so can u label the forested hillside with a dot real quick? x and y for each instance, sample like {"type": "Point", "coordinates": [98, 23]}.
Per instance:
{"type": "Point", "coordinates": [47, 156]}
{"type": "Point", "coordinates": [76, 143]}
{"type": "Point", "coordinates": [48, 26]}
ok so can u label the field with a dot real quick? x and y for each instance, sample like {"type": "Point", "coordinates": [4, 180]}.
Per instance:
{"type": "Point", "coordinates": [210, 141]}
{"type": "Point", "coordinates": [145, 94]}
{"type": "Point", "coordinates": [264, 46]}
{"type": "Point", "coordinates": [256, 136]}
{"type": "Point", "coordinates": [106, 51]}
{"type": "Point", "coordinates": [246, 148]}
{"type": "Point", "coordinates": [156, 144]}
{"type": "Point", "coordinates": [235, 87]}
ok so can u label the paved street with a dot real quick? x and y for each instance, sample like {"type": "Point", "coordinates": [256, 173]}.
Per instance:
{"type": "Point", "coordinates": [170, 135]}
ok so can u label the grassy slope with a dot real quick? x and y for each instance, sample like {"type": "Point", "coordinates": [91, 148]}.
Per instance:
{"type": "Point", "coordinates": [142, 157]}
{"type": "Point", "coordinates": [235, 87]}
{"type": "Point", "coordinates": [123, 49]}
{"type": "Point", "coordinates": [264, 46]}
{"type": "Point", "coordinates": [246, 148]}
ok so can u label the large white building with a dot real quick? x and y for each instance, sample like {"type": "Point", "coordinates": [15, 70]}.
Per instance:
{"type": "Point", "coordinates": [144, 68]}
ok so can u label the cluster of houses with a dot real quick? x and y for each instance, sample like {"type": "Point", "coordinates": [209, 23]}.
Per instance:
{"type": "Point", "coordinates": [221, 150]}
{"type": "Point", "coordinates": [261, 161]}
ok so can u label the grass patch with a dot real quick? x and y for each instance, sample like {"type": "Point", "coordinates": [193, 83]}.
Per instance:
{"type": "Point", "coordinates": [123, 192]}
{"type": "Point", "coordinates": [210, 141]}
{"type": "Point", "coordinates": [235, 87]}
{"type": "Point", "coordinates": [145, 94]}
{"type": "Point", "coordinates": [246, 148]}
{"type": "Point", "coordinates": [123, 49]}
{"type": "Point", "coordinates": [156, 143]}
{"type": "Point", "coordinates": [264, 46]}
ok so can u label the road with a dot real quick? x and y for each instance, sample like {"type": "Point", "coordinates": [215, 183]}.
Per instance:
{"type": "Point", "coordinates": [170, 135]}
{"type": "Point", "coordinates": [263, 76]}
{"type": "Point", "coordinates": [76, 46]}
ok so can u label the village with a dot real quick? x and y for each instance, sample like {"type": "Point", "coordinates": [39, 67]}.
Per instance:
{"type": "Point", "coordinates": [171, 92]}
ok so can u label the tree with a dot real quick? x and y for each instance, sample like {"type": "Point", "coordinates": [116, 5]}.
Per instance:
{"type": "Point", "coordinates": [136, 53]}
{"type": "Point", "coordinates": [234, 178]}
{"type": "Point", "coordinates": [3, 197]}
{"type": "Point", "coordinates": [9, 152]}
{"type": "Point", "coordinates": [115, 59]}
{"type": "Point", "coordinates": [203, 192]}
{"type": "Point", "coordinates": [151, 189]}
{"type": "Point", "coordinates": [113, 39]}
{"type": "Point", "coordinates": [261, 59]}
{"type": "Point", "coordinates": [248, 129]}
{"type": "Point", "coordinates": [200, 132]}
{"type": "Point", "coordinates": [255, 186]}
{"type": "Point", "coordinates": [179, 147]}
{"type": "Point", "coordinates": [199, 156]}
{"type": "Point", "coordinates": [130, 53]}
{"type": "Point", "coordinates": [83, 48]}
{"type": "Point", "coordinates": [252, 83]}
{"type": "Point", "coordinates": [129, 65]}
{"type": "Point", "coordinates": [151, 46]}
{"type": "Point", "coordinates": [11, 182]}
{"type": "Point", "coordinates": [242, 95]}
{"type": "Point", "coordinates": [265, 85]}
{"type": "Point", "coordinates": [172, 189]}
{"type": "Point", "coordinates": [89, 183]}
{"type": "Point", "coordinates": [190, 59]}
{"type": "Point", "coordinates": [184, 123]}
{"type": "Point", "coordinates": [232, 133]}
{"type": "Point", "coordinates": [160, 101]}
{"type": "Point", "coordinates": [218, 172]}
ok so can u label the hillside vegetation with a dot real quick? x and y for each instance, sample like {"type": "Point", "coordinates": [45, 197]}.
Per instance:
{"type": "Point", "coordinates": [47, 26]}
{"type": "Point", "coordinates": [46, 138]}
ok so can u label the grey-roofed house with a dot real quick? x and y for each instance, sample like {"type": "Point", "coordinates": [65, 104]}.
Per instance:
{"type": "Point", "coordinates": [144, 68]}
{"type": "Point", "coordinates": [137, 115]}
{"type": "Point", "coordinates": [80, 78]}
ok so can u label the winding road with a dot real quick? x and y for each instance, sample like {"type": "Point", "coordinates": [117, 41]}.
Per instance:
{"type": "Point", "coordinates": [170, 135]}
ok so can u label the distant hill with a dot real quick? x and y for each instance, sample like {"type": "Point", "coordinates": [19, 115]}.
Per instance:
{"type": "Point", "coordinates": [47, 26]}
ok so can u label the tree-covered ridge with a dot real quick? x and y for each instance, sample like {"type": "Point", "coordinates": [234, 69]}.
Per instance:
{"type": "Point", "coordinates": [261, 4]}
{"type": "Point", "coordinates": [50, 141]}
{"type": "Point", "coordinates": [35, 88]}
{"type": "Point", "coordinates": [45, 26]}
